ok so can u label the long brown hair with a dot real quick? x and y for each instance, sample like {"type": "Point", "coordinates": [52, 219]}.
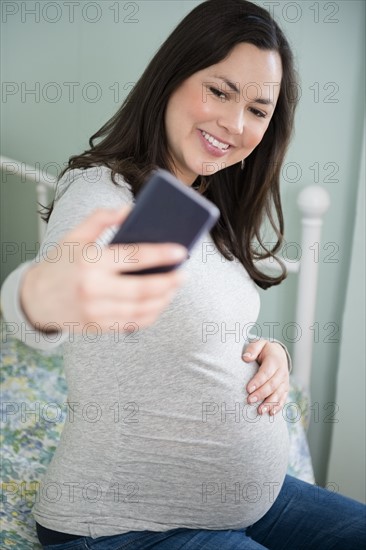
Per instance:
{"type": "Point", "coordinates": [134, 140]}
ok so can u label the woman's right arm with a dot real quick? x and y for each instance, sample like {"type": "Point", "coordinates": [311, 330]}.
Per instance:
{"type": "Point", "coordinates": [45, 302]}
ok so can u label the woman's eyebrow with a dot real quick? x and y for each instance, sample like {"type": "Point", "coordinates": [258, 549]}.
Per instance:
{"type": "Point", "coordinates": [228, 82]}
{"type": "Point", "coordinates": [262, 100]}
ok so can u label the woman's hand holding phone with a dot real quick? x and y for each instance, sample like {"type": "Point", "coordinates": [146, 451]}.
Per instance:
{"type": "Point", "coordinates": [75, 290]}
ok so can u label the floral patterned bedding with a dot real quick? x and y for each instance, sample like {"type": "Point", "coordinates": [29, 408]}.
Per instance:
{"type": "Point", "coordinates": [33, 412]}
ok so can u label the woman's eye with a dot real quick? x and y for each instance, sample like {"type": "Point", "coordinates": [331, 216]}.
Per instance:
{"type": "Point", "coordinates": [217, 92]}
{"type": "Point", "coordinates": [259, 114]}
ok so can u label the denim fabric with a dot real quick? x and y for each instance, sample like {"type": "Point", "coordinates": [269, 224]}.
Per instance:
{"type": "Point", "coordinates": [303, 517]}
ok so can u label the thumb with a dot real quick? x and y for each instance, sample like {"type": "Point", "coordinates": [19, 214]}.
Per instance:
{"type": "Point", "coordinates": [94, 224]}
{"type": "Point", "coordinates": [253, 350]}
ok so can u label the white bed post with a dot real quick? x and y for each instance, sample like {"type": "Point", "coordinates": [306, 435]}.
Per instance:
{"type": "Point", "coordinates": [313, 202]}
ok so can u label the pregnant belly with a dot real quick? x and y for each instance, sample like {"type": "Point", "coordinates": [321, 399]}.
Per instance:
{"type": "Point", "coordinates": [200, 456]}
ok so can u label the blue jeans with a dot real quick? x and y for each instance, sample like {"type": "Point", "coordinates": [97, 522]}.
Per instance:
{"type": "Point", "coordinates": [303, 517]}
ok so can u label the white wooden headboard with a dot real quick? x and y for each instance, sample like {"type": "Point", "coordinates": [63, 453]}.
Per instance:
{"type": "Point", "coordinates": [313, 202]}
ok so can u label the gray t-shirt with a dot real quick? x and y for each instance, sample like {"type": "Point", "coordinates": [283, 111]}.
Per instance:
{"type": "Point", "coordinates": [159, 434]}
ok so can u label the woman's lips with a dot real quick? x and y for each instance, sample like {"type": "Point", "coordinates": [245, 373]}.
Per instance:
{"type": "Point", "coordinates": [215, 151]}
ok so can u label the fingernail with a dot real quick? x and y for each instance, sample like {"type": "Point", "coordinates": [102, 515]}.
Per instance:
{"type": "Point", "coordinates": [252, 389]}
{"type": "Point", "coordinates": [179, 252]}
{"type": "Point", "coordinates": [247, 354]}
{"type": "Point", "coordinates": [253, 399]}
{"type": "Point", "coordinates": [264, 409]}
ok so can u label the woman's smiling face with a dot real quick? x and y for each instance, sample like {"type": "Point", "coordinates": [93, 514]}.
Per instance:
{"type": "Point", "coordinates": [232, 101]}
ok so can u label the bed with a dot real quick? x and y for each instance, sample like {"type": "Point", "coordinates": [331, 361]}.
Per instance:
{"type": "Point", "coordinates": [34, 390]}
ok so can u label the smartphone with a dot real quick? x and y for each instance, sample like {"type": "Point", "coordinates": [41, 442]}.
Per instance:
{"type": "Point", "coordinates": [166, 210]}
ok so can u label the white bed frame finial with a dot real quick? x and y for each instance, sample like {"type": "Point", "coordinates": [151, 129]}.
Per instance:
{"type": "Point", "coordinates": [313, 201]}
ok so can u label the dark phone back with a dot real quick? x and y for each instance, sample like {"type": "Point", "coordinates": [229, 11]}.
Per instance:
{"type": "Point", "coordinates": [167, 210]}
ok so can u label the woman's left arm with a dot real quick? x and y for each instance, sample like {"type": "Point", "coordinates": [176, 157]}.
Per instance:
{"type": "Point", "coordinates": [271, 383]}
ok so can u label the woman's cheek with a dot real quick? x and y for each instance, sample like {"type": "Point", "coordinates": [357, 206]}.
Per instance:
{"type": "Point", "coordinates": [253, 137]}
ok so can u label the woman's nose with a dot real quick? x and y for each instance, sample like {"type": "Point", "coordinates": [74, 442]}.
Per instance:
{"type": "Point", "coordinates": [232, 120]}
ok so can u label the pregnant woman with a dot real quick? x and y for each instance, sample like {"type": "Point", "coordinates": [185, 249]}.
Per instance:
{"type": "Point", "coordinates": [172, 441]}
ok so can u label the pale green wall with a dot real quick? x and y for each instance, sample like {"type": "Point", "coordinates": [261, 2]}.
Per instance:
{"type": "Point", "coordinates": [108, 52]}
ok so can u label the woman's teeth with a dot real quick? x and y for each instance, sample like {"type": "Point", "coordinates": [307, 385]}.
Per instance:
{"type": "Point", "coordinates": [213, 141]}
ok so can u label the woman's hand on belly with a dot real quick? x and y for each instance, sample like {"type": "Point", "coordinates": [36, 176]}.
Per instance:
{"type": "Point", "coordinates": [271, 383]}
